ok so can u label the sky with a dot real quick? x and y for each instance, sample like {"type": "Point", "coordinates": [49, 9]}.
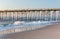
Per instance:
{"type": "Point", "coordinates": [23, 4]}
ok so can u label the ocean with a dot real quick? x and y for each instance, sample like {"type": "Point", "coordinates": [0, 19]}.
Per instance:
{"type": "Point", "coordinates": [22, 24]}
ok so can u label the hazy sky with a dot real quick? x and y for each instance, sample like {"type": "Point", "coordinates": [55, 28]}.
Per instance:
{"type": "Point", "coordinates": [18, 4]}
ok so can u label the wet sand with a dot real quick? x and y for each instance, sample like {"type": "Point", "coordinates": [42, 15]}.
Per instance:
{"type": "Point", "coordinates": [49, 32]}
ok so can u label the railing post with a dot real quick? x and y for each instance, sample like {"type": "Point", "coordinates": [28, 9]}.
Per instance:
{"type": "Point", "coordinates": [59, 15]}
{"type": "Point", "coordinates": [40, 15]}
{"type": "Point", "coordinates": [56, 15]}
{"type": "Point", "coordinates": [0, 16]}
{"type": "Point", "coordinates": [51, 16]}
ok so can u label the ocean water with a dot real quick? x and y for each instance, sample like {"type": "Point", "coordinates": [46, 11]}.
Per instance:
{"type": "Point", "coordinates": [21, 24]}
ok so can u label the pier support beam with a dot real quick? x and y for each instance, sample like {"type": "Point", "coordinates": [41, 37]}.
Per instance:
{"type": "Point", "coordinates": [29, 15]}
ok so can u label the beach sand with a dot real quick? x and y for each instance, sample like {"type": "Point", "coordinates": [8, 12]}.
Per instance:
{"type": "Point", "coordinates": [49, 32]}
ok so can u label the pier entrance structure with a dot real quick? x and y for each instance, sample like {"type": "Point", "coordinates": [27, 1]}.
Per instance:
{"type": "Point", "coordinates": [30, 15]}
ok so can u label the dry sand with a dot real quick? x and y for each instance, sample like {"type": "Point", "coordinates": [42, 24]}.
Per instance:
{"type": "Point", "coordinates": [49, 32]}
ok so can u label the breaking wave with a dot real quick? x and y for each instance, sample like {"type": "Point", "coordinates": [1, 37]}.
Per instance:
{"type": "Point", "coordinates": [18, 24]}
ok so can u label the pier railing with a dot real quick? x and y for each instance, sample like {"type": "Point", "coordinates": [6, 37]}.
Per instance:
{"type": "Point", "coordinates": [30, 15]}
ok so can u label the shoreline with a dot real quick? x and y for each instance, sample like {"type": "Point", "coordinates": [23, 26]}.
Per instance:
{"type": "Point", "coordinates": [48, 32]}
{"type": "Point", "coordinates": [24, 29]}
